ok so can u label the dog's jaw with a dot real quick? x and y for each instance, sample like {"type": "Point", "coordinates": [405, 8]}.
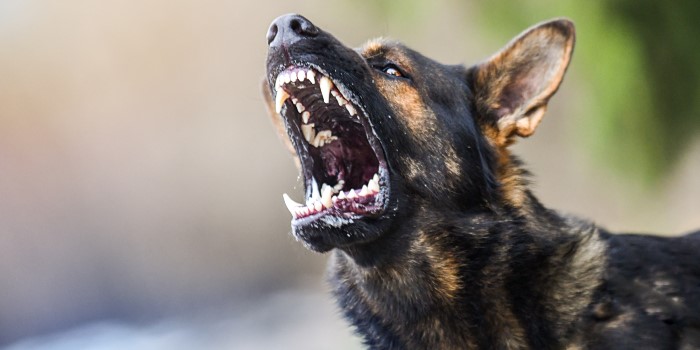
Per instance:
{"type": "Point", "coordinates": [319, 106]}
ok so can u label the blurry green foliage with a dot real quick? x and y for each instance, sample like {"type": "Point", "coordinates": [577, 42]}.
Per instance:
{"type": "Point", "coordinates": [639, 61]}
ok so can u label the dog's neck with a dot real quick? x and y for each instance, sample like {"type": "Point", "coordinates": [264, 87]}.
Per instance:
{"type": "Point", "coordinates": [456, 281]}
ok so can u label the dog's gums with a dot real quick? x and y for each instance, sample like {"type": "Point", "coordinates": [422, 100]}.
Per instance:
{"type": "Point", "coordinates": [342, 161]}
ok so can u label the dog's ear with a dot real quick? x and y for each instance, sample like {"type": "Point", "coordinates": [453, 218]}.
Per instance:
{"type": "Point", "coordinates": [277, 121]}
{"type": "Point", "coordinates": [512, 88]}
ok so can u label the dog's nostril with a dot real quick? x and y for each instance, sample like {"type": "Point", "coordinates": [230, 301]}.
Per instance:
{"type": "Point", "coordinates": [296, 26]}
{"type": "Point", "coordinates": [271, 33]}
{"type": "Point", "coordinates": [287, 29]}
{"type": "Point", "coordinates": [303, 26]}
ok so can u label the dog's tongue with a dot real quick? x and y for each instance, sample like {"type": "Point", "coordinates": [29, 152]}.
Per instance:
{"type": "Point", "coordinates": [333, 156]}
{"type": "Point", "coordinates": [348, 160]}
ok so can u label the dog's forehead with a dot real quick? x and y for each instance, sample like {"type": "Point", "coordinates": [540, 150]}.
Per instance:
{"type": "Point", "coordinates": [410, 61]}
{"type": "Point", "coordinates": [382, 47]}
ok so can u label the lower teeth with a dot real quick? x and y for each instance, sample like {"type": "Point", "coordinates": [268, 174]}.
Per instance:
{"type": "Point", "coordinates": [325, 198]}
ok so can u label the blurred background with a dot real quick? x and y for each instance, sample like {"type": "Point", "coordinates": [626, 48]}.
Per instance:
{"type": "Point", "coordinates": [141, 179]}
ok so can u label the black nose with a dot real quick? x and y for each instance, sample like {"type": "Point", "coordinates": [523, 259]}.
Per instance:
{"type": "Point", "coordinates": [287, 29]}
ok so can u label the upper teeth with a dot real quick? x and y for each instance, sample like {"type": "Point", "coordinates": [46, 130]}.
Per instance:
{"type": "Point", "coordinates": [327, 196]}
{"type": "Point", "coordinates": [327, 87]}
{"type": "Point", "coordinates": [350, 109]}
{"type": "Point", "coordinates": [280, 97]}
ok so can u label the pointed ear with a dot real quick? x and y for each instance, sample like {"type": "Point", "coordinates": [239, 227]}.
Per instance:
{"type": "Point", "coordinates": [277, 121]}
{"type": "Point", "coordinates": [512, 88]}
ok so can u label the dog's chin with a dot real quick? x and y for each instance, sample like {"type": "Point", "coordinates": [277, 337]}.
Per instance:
{"type": "Point", "coordinates": [328, 232]}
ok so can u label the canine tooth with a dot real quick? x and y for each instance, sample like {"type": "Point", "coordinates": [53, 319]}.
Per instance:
{"type": "Point", "coordinates": [341, 195]}
{"type": "Point", "coordinates": [279, 81]}
{"type": "Point", "coordinates": [326, 86]}
{"type": "Point", "coordinates": [352, 194]}
{"type": "Point", "coordinates": [351, 109]}
{"type": "Point", "coordinates": [292, 206]}
{"type": "Point", "coordinates": [305, 117]}
{"type": "Point", "coordinates": [311, 75]}
{"type": "Point", "coordinates": [309, 132]}
{"type": "Point", "coordinates": [301, 75]}
{"type": "Point", "coordinates": [315, 194]}
{"type": "Point", "coordinates": [326, 194]}
{"type": "Point", "coordinates": [281, 96]}
{"type": "Point", "coordinates": [373, 186]}
{"type": "Point", "coordinates": [300, 107]}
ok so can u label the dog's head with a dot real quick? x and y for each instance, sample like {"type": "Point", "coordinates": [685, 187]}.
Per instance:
{"type": "Point", "coordinates": [382, 132]}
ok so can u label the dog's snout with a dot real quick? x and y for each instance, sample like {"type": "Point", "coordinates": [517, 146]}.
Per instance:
{"type": "Point", "coordinates": [287, 29]}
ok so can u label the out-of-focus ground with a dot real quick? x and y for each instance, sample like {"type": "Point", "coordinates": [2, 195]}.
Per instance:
{"type": "Point", "coordinates": [141, 180]}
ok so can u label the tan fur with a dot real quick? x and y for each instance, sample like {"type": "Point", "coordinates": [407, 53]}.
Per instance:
{"type": "Point", "coordinates": [452, 162]}
{"type": "Point", "coordinates": [444, 266]}
{"type": "Point", "coordinates": [513, 186]}
{"type": "Point", "coordinates": [404, 99]}
{"type": "Point", "coordinates": [501, 317]}
{"type": "Point", "coordinates": [372, 47]}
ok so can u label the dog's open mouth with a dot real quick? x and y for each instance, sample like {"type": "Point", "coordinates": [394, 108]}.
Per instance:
{"type": "Point", "coordinates": [342, 160]}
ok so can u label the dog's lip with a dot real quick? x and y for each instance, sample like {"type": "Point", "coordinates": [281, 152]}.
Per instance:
{"type": "Point", "coordinates": [338, 213]}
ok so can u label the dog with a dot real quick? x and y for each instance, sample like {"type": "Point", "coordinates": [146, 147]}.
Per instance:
{"type": "Point", "coordinates": [436, 241]}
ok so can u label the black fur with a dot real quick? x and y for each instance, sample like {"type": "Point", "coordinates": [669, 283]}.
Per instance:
{"type": "Point", "coordinates": [464, 256]}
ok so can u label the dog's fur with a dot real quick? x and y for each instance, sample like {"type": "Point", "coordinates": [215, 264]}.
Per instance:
{"type": "Point", "coordinates": [465, 257]}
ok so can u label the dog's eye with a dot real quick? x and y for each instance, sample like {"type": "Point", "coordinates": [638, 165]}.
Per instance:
{"type": "Point", "coordinates": [391, 69]}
